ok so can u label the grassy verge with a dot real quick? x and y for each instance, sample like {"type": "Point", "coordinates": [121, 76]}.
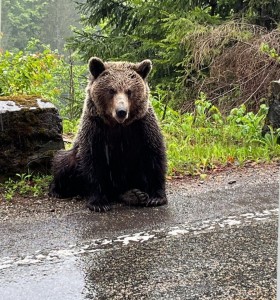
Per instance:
{"type": "Point", "coordinates": [200, 141]}
{"type": "Point", "coordinates": [25, 185]}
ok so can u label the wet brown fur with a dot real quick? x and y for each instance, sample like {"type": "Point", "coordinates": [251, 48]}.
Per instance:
{"type": "Point", "coordinates": [121, 77]}
{"type": "Point", "coordinates": [111, 160]}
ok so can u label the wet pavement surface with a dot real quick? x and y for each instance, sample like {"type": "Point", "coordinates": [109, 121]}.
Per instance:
{"type": "Point", "coordinates": [215, 240]}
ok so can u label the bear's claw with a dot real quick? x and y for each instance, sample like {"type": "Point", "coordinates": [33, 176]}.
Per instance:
{"type": "Point", "coordinates": [156, 201]}
{"type": "Point", "coordinates": [135, 197]}
{"type": "Point", "coordinates": [53, 194]}
{"type": "Point", "coordinates": [97, 205]}
{"type": "Point", "coordinates": [139, 198]}
{"type": "Point", "coordinates": [98, 208]}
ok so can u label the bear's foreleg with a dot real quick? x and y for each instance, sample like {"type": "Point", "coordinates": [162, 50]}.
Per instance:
{"type": "Point", "coordinates": [150, 189]}
{"type": "Point", "coordinates": [150, 182]}
{"type": "Point", "coordinates": [97, 199]}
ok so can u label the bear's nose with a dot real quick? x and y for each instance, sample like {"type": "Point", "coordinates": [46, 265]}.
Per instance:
{"type": "Point", "coordinates": [121, 113]}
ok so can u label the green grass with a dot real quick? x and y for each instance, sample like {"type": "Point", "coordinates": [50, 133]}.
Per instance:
{"type": "Point", "coordinates": [200, 141]}
{"type": "Point", "coordinates": [25, 185]}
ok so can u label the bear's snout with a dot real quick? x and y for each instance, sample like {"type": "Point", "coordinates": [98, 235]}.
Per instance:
{"type": "Point", "coordinates": [121, 113]}
{"type": "Point", "coordinates": [120, 107]}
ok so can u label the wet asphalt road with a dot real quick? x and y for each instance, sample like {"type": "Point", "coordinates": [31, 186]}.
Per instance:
{"type": "Point", "coordinates": [216, 240]}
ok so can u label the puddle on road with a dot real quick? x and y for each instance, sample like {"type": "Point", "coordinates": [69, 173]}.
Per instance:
{"type": "Point", "coordinates": [65, 280]}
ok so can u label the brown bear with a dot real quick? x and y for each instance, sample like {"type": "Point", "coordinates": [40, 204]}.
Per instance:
{"type": "Point", "coordinates": [119, 153]}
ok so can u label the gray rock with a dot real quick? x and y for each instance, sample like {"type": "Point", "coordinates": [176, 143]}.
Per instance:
{"type": "Point", "coordinates": [30, 133]}
{"type": "Point", "coordinates": [273, 115]}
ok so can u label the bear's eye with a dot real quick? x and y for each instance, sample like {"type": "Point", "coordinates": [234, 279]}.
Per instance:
{"type": "Point", "coordinates": [128, 92]}
{"type": "Point", "coordinates": [132, 75]}
{"type": "Point", "coordinates": [105, 73]}
{"type": "Point", "coordinates": [112, 91]}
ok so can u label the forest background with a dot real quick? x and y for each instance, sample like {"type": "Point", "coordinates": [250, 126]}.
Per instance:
{"type": "Point", "coordinates": [213, 62]}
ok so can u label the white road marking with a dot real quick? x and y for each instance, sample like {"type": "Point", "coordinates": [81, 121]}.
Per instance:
{"type": "Point", "coordinates": [201, 227]}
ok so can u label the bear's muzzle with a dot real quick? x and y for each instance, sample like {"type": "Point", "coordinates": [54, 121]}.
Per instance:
{"type": "Point", "coordinates": [120, 110]}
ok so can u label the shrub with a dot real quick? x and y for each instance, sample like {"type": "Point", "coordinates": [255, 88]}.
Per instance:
{"type": "Point", "coordinates": [206, 139]}
{"type": "Point", "coordinates": [25, 72]}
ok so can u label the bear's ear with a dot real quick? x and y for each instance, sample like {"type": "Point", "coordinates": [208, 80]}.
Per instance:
{"type": "Point", "coordinates": [96, 66]}
{"type": "Point", "coordinates": [144, 68]}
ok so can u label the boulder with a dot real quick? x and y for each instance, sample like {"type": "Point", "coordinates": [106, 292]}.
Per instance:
{"type": "Point", "coordinates": [30, 134]}
{"type": "Point", "coordinates": [273, 115]}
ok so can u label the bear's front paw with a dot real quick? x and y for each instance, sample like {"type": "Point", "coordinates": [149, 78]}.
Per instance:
{"type": "Point", "coordinates": [96, 205]}
{"type": "Point", "coordinates": [135, 197]}
{"type": "Point", "coordinates": [52, 192]}
{"type": "Point", "coordinates": [156, 201]}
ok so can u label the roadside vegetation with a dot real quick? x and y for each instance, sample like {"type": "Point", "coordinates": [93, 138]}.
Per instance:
{"type": "Point", "coordinates": [197, 143]}
{"type": "Point", "coordinates": [206, 139]}
{"type": "Point", "coordinates": [212, 65]}
{"type": "Point", "coordinates": [25, 185]}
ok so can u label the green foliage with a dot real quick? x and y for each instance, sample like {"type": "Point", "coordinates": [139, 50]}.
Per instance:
{"type": "Point", "coordinates": [26, 185]}
{"type": "Point", "coordinates": [196, 141]}
{"type": "Point", "coordinates": [70, 126]}
{"type": "Point", "coordinates": [155, 30]}
{"type": "Point", "coordinates": [200, 141]}
{"type": "Point", "coordinates": [166, 31]}
{"type": "Point", "coordinates": [48, 21]}
{"type": "Point", "coordinates": [271, 52]}
{"type": "Point", "coordinates": [21, 21]}
{"type": "Point", "coordinates": [26, 72]}
{"type": "Point", "coordinates": [71, 79]}
{"type": "Point", "coordinates": [59, 79]}
{"type": "Point", "coordinates": [271, 139]}
{"type": "Point", "coordinates": [262, 12]}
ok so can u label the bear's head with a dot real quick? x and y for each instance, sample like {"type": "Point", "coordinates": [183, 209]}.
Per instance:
{"type": "Point", "coordinates": [119, 90]}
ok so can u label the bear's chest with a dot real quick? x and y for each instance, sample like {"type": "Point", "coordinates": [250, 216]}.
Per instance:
{"type": "Point", "coordinates": [123, 146]}
{"type": "Point", "coordinates": [122, 157]}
